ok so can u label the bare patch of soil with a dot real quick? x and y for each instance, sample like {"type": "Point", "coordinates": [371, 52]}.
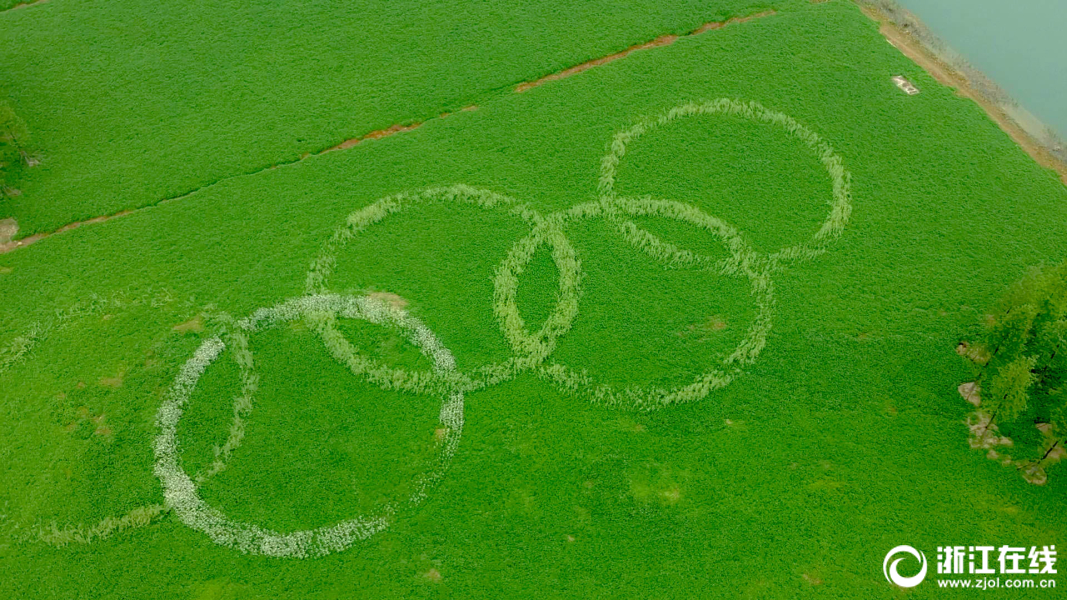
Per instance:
{"type": "Point", "coordinates": [1034, 471]}
{"type": "Point", "coordinates": [8, 229]}
{"type": "Point", "coordinates": [715, 323]}
{"type": "Point", "coordinates": [1035, 475]}
{"type": "Point", "coordinates": [812, 579]}
{"type": "Point", "coordinates": [439, 435]}
{"type": "Point", "coordinates": [984, 434]}
{"type": "Point", "coordinates": [976, 354]}
{"type": "Point", "coordinates": [712, 325]}
{"type": "Point", "coordinates": [105, 431]}
{"type": "Point", "coordinates": [671, 495]}
{"type": "Point", "coordinates": [194, 325]}
{"type": "Point", "coordinates": [389, 298]}
{"type": "Point", "coordinates": [971, 392]}
{"type": "Point", "coordinates": [114, 382]}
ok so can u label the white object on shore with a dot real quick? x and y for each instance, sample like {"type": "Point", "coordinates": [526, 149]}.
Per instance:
{"type": "Point", "coordinates": [906, 86]}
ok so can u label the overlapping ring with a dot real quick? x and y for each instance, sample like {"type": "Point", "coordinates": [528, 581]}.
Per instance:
{"type": "Point", "coordinates": [180, 491]}
{"type": "Point", "coordinates": [320, 308]}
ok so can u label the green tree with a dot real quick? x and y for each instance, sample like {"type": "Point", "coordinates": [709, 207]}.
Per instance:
{"type": "Point", "coordinates": [1009, 333]}
{"type": "Point", "coordinates": [1009, 389]}
{"type": "Point", "coordinates": [1024, 359]}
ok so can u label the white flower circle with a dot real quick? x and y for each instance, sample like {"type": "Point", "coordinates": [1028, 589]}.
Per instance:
{"type": "Point", "coordinates": [180, 492]}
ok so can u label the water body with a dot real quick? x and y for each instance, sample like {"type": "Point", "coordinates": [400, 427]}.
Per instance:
{"type": "Point", "coordinates": [1019, 44]}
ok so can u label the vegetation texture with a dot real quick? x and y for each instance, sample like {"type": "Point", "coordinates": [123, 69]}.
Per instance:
{"type": "Point", "coordinates": [14, 150]}
{"type": "Point", "coordinates": [693, 311]}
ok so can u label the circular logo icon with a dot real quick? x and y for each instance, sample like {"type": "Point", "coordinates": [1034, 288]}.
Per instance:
{"type": "Point", "coordinates": [893, 576]}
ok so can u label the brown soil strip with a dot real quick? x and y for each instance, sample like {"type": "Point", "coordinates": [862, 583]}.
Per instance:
{"type": "Point", "coordinates": [24, 5]}
{"type": "Point", "coordinates": [375, 135]}
{"type": "Point", "coordinates": [663, 40]}
{"type": "Point", "coordinates": [26, 241]}
{"type": "Point", "coordinates": [946, 75]}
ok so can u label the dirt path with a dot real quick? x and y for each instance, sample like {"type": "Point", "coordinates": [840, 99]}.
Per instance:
{"type": "Point", "coordinates": [914, 49]}
{"type": "Point", "coordinates": [24, 5]}
{"type": "Point", "coordinates": [663, 40]}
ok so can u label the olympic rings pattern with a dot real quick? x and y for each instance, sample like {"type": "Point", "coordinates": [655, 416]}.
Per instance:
{"type": "Point", "coordinates": [320, 309]}
{"type": "Point", "coordinates": [532, 349]}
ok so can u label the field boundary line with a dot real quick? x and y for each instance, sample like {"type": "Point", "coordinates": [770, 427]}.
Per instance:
{"type": "Point", "coordinates": [658, 42]}
{"type": "Point", "coordinates": [663, 40]}
{"type": "Point", "coordinates": [25, 4]}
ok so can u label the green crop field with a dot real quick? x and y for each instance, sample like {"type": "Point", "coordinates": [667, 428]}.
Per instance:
{"type": "Point", "coordinates": [678, 325]}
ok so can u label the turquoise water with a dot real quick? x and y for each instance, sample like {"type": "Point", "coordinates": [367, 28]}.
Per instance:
{"type": "Point", "coordinates": [1020, 44]}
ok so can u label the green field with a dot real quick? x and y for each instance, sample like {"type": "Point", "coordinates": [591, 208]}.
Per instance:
{"type": "Point", "coordinates": [822, 243]}
{"type": "Point", "coordinates": [135, 102]}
